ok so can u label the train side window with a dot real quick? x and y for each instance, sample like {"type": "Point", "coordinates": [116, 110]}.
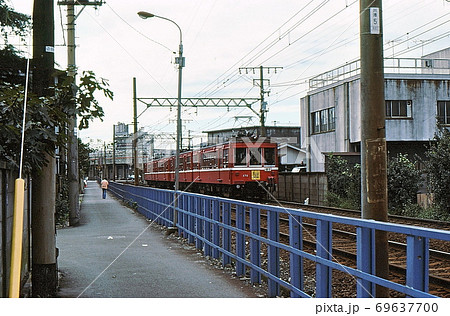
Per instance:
{"type": "Point", "coordinates": [241, 155]}
{"type": "Point", "coordinates": [255, 156]}
{"type": "Point", "coordinates": [225, 158]}
{"type": "Point", "coordinates": [188, 163]}
{"type": "Point", "coordinates": [181, 165]}
{"type": "Point", "coordinates": [269, 156]}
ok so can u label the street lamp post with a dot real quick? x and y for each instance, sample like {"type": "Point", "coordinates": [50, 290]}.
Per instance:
{"type": "Point", "coordinates": [180, 61]}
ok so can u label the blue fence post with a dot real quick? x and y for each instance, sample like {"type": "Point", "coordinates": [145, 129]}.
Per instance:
{"type": "Point", "coordinates": [255, 245]}
{"type": "Point", "coordinates": [198, 223]}
{"type": "Point", "coordinates": [207, 225]}
{"type": "Point", "coordinates": [240, 239]}
{"type": "Point", "coordinates": [417, 259]}
{"type": "Point", "coordinates": [365, 261]}
{"type": "Point", "coordinates": [190, 211]}
{"type": "Point", "coordinates": [226, 233]}
{"type": "Point", "coordinates": [181, 204]}
{"type": "Point", "coordinates": [158, 199]}
{"type": "Point", "coordinates": [296, 261]}
{"type": "Point", "coordinates": [169, 212]}
{"type": "Point", "coordinates": [215, 228]}
{"type": "Point", "coordinates": [273, 252]}
{"type": "Point", "coordinates": [323, 249]}
{"type": "Point", "coordinates": [165, 211]}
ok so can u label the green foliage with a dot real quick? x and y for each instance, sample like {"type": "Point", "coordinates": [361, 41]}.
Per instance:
{"type": "Point", "coordinates": [414, 210]}
{"type": "Point", "coordinates": [403, 182]}
{"type": "Point", "coordinates": [83, 158]}
{"type": "Point", "coordinates": [13, 22]}
{"type": "Point", "coordinates": [344, 183]}
{"type": "Point", "coordinates": [42, 118]}
{"type": "Point", "coordinates": [438, 169]}
{"type": "Point", "coordinates": [44, 115]}
{"type": "Point", "coordinates": [62, 211]}
{"type": "Point", "coordinates": [88, 107]}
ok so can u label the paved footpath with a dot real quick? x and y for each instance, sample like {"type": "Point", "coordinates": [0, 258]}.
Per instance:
{"type": "Point", "coordinates": [113, 253]}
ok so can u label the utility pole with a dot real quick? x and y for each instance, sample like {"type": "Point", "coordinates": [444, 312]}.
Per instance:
{"type": "Point", "coordinates": [135, 136]}
{"type": "Point", "coordinates": [44, 274]}
{"type": "Point", "coordinates": [114, 154]}
{"type": "Point", "coordinates": [260, 82]}
{"type": "Point", "coordinates": [373, 134]}
{"type": "Point", "coordinates": [72, 152]}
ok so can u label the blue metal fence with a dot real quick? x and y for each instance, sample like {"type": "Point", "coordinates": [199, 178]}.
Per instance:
{"type": "Point", "coordinates": [206, 222]}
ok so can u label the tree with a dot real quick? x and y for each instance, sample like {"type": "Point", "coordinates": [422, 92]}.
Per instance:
{"type": "Point", "coordinates": [438, 169]}
{"type": "Point", "coordinates": [12, 65]}
{"type": "Point", "coordinates": [344, 183]}
{"type": "Point", "coordinates": [43, 115]}
{"type": "Point", "coordinates": [403, 182]}
{"type": "Point", "coordinates": [12, 22]}
{"type": "Point", "coordinates": [83, 158]}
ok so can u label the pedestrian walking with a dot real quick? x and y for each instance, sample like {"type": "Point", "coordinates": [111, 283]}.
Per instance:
{"type": "Point", "coordinates": [104, 185]}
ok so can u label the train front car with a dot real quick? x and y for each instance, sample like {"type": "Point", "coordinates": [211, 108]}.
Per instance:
{"type": "Point", "coordinates": [253, 165]}
{"type": "Point", "coordinates": [243, 167]}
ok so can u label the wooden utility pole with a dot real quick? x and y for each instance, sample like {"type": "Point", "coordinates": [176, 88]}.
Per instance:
{"type": "Point", "coordinates": [373, 134]}
{"type": "Point", "coordinates": [44, 274]}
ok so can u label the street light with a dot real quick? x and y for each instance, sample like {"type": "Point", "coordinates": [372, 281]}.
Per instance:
{"type": "Point", "coordinates": [180, 61]}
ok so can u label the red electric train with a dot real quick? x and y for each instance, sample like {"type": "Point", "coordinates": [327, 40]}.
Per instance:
{"type": "Point", "coordinates": [241, 167]}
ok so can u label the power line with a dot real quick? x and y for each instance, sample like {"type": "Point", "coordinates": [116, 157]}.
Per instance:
{"type": "Point", "coordinates": [139, 32]}
{"type": "Point", "coordinates": [127, 52]}
{"type": "Point", "coordinates": [234, 66]}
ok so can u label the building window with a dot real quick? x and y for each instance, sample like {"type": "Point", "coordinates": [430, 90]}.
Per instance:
{"type": "Point", "coordinates": [443, 112]}
{"type": "Point", "coordinates": [331, 119]}
{"type": "Point", "coordinates": [315, 118]}
{"type": "Point", "coordinates": [398, 108]}
{"type": "Point", "coordinates": [323, 121]}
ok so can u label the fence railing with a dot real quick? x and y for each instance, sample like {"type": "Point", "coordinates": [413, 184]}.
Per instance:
{"type": "Point", "coordinates": [436, 66]}
{"type": "Point", "coordinates": [247, 235]}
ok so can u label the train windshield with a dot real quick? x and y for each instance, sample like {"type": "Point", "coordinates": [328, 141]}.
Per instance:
{"type": "Point", "coordinates": [255, 156]}
{"type": "Point", "coordinates": [241, 156]}
{"type": "Point", "coordinates": [269, 156]}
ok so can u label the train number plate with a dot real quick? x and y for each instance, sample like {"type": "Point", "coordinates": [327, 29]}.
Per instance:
{"type": "Point", "coordinates": [256, 175]}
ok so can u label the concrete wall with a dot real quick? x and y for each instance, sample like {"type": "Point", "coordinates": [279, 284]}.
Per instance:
{"type": "Point", "coordinates": [297, 187]}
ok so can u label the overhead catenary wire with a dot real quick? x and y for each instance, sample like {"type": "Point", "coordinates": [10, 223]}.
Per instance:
{"type": "Point", "coordinates": [128, 52]}
{"type": "Point", "coordinates": [235, 65]}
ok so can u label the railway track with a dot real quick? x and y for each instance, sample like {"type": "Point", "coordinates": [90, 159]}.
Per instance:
{"type": "Point", "coordinates": [429, 223]}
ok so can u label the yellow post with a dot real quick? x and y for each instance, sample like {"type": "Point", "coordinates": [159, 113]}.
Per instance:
{"type": "Point", "coordinates": [17, 234]}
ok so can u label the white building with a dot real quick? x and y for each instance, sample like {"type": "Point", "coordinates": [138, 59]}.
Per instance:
{"type": "Point", "coordinates": [417, 94]}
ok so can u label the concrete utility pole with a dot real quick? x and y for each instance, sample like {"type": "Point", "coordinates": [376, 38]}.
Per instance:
{"type": "Point", "coordinates": [72, 153]}
{"type": "Point", "coordinates": [44, 274]}
{"type": "Point", "coordinates": [373, 133]}
{"type": "Point", "coordinates": [135, 136]}
{"type": "Point", "coordinates": [114, 154]}
{"type": "Point", "coordinates": [260, 82]}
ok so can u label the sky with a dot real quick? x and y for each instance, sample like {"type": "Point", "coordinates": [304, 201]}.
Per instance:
{"type": "Point", "coordinates": [305, 38]}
